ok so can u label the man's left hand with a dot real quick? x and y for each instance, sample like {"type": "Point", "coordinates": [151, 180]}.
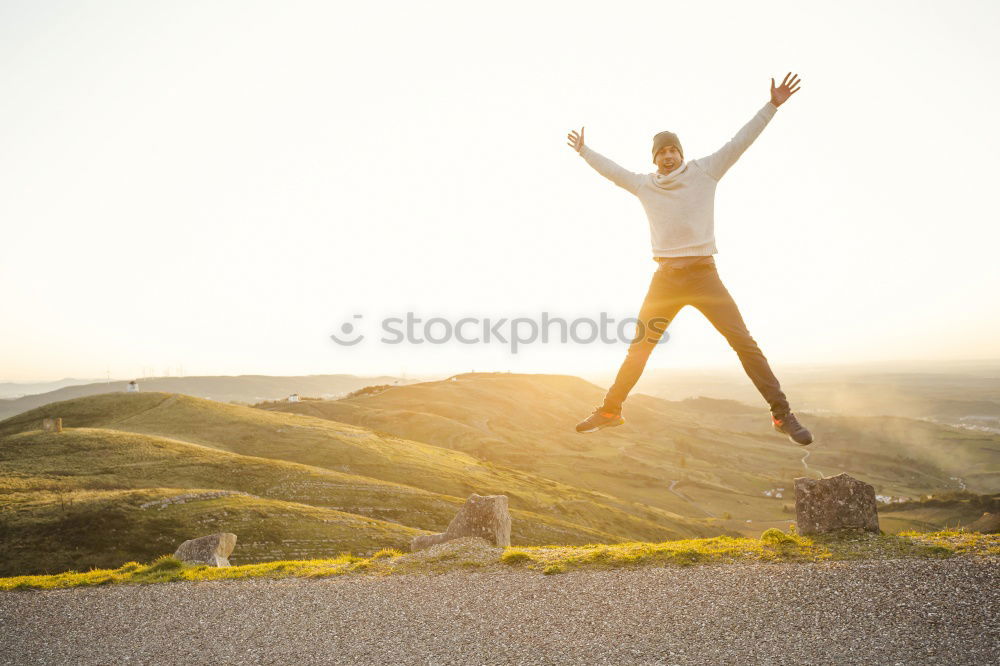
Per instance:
{"type": "Point", "coordinates": [787, 88]}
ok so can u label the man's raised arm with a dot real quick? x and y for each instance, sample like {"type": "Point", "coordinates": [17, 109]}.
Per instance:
{"type": "Point", "coordinates": [718, 163]}
{"type": "Point", "coordinates": [618, 175]}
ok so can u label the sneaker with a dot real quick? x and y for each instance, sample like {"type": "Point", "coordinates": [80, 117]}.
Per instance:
{"type": "Point", "coordinates": [789, 425]}
{"type": "Point", "coordinates": [599, 419]}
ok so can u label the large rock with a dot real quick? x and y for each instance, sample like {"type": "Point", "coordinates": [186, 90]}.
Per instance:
{"type": "Point", "coordinates": [483, 516]}
{"type": "Point", "coordinates": [213, 550]}
{"type": "Point", "coordinates": [835, 503]}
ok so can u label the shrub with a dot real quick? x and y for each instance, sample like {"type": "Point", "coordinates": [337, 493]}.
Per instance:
{"type": "Point", "coordinates": [687, 557]}
{"type": "Point", "coordinates": [364, 565]}
{"type": "Point", "coordinates": [775, 537]}
{"type": "Point", "coordinates": [374, 389]}
{"type": "Point", "coordinates": [515, 557]}
{"type": "Point", "coordinates": [166, 563]}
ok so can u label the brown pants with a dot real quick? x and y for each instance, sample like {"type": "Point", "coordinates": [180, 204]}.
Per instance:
{"type": "Point", "coordinates": [697, 284]}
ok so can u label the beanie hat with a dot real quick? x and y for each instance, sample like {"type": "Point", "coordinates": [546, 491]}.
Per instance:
{"type": "Point", "coordinates": [666, 139]}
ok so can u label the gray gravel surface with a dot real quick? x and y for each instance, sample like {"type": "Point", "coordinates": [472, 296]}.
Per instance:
{"type": "Point", "coordinates": [871, 612]}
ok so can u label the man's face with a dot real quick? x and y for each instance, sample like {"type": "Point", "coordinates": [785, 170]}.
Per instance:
{"type": "Point", "coordinates": [667, 159]}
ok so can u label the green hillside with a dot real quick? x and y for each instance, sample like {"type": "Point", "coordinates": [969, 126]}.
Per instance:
{"type": "Point", "coordinates": [100, 459]}
{"type": "Point", "coordinates": [322, 477]}
{"type": "Point", "coordinates": [697, 457]}
{"type": "Point", "coordinates": [82, 529]}
{"type": "Point", "coordinates": [952, 510]}
{"type": "Point", "coordinates": [545, 511]}
{"type": "Point", "coordinates": [38, 468]}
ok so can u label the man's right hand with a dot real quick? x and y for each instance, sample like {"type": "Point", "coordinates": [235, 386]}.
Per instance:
{"type": "Point", "coordinates": [575, 140]}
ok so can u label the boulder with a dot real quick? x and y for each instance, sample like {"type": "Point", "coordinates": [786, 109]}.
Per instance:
{"type": "Point", "coordinates": [834, 503]}
{"type": "Point", "coordinates": [483, 516]}
{"type": "Point", "coordinates": [213, 550]}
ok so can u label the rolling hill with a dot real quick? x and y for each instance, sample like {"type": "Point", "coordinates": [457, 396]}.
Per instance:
{"type": "Point", "coordinates": [121, 443]}
{"type": "Point", "coordinates": [134, 474]}
{"type": "Point", "coordinates": [697, 457]}
{"type": "Point", "coordinates": [962, 394]}
{"type": "Point", "coordinates": [99, 459]}
{"type": "Point", "coordinates": [52, 533]}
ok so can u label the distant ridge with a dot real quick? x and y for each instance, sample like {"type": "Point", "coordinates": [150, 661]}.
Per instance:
{"type": "Point", "coordinates": [14, 390]}
{"type": "Point", "coordinates": [224, 388]}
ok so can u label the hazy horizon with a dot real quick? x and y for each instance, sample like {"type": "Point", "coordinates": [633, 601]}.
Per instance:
{"type": "Point", "coordinates": [736, 371]}
{"type": "Point", "coordinates": [216, 188]}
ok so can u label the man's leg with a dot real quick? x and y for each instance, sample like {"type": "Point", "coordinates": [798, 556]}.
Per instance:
{"type": "Point", "coordinates": [718, 306]}
{"type": "Point", "coordinates": [664, 299]}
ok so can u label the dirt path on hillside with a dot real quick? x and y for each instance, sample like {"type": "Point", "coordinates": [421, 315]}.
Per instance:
{"type": "Point", "coordinates": [687, 499]}
{"type": "Point", "coordinates": [884, 612]}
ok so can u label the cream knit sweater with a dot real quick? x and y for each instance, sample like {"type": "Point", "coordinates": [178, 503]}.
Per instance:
{"type": "Point", "coordinates": [681, 205]}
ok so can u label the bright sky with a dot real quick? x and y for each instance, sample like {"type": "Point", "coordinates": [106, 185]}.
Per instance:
{"type": "Point", "coordinates": [217, 186]}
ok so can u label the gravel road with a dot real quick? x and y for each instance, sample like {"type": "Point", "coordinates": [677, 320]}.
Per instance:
{"type": "Point", "coordinates": [871, 612]}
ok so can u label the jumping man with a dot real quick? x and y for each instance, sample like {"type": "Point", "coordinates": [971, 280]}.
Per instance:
{"type": "Point", "coordinates": [679, 199]}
